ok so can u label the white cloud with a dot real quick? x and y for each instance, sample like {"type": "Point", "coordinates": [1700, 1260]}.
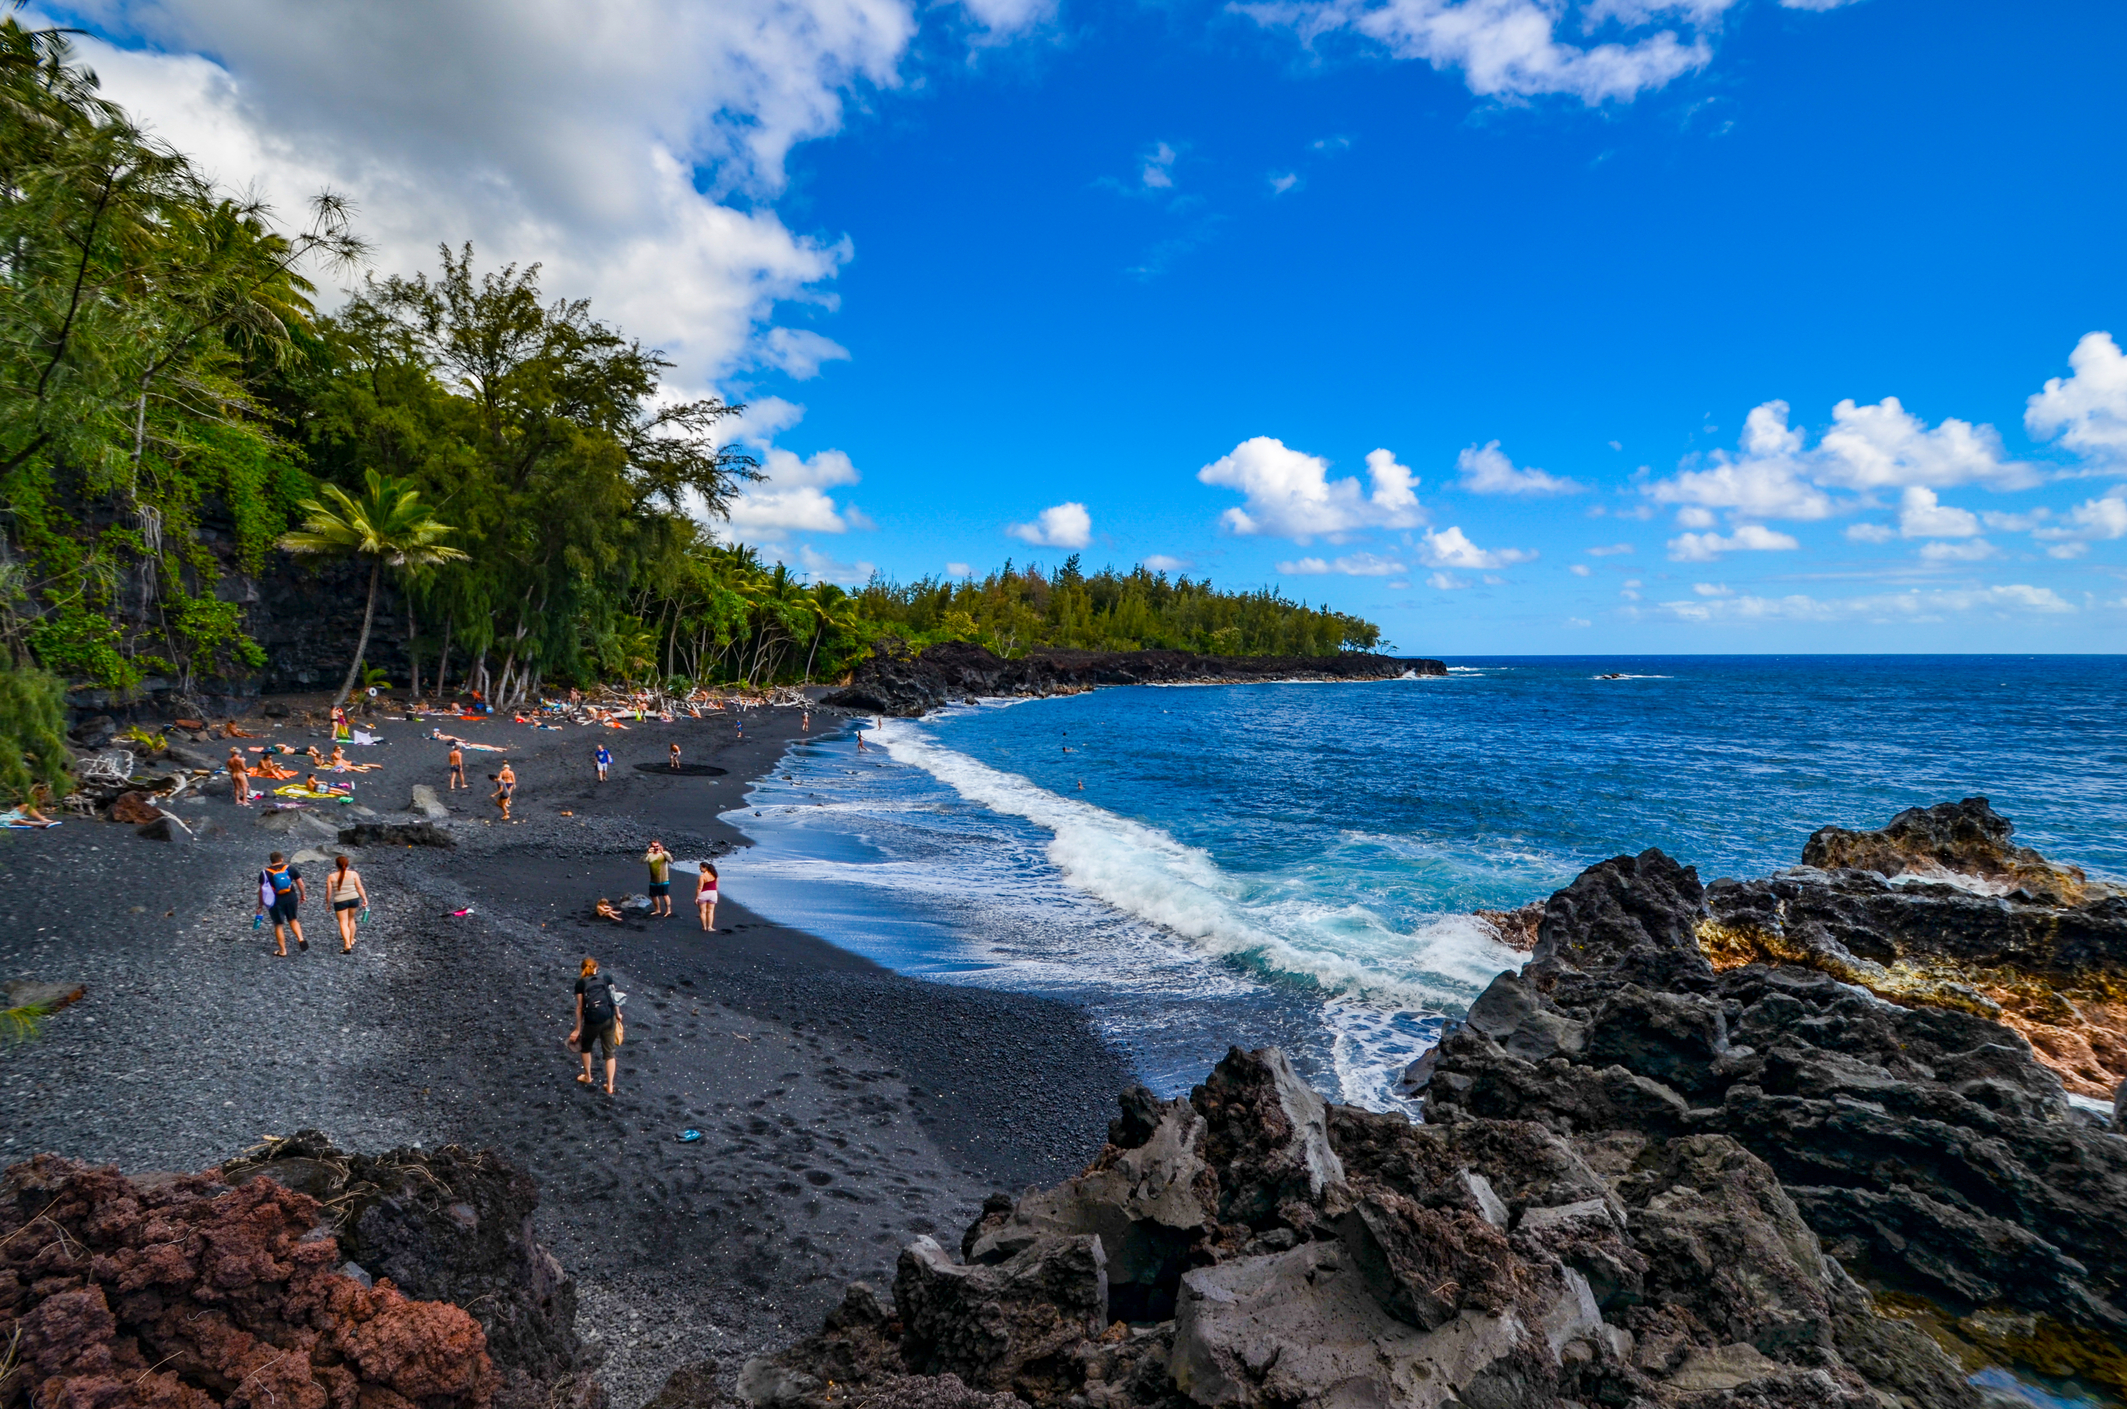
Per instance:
{"type": "Point", "coordinates": [1577, 622]}
{"type": "Point", "coordinates": [2104, 517]}
{"type": "Point", "coordinates": [2068, 550]}
{"type": "Point", "coordinates": [1914, 605]}
{"type": "Point", "coordinates": [2088, 411]}
{"type": "Point", "coordinates": [1446, 581]}
{"type": "Point", "coordinates": [1289, 493]}
{"type": "Point", "coordinates": [821, 568]}
{"type": "Point", "coordinates": [1485, 470]}
{"type": "Point", "coordinates": [1511, 48]}
{"type": "Point", "coordinates": [1003, 18]}
{"type": "Point", "coordinates": [1160, 562]}
{"type": "Point", "coordinates": [1610, 550]}
{"type": "Point", "coordinates": [637, 172]}
{"type": "Point", "coordinates": [1775, 475]}
{"type": "Point", "coordinates": [1065, 525]}
{"type": "Point", "coordinates": [1157, 171]}
{"type": "Point", "coordinates": [800, 351]}
{"type": "Point", "coordinates": [1972, 550]}
{"type": "Point", "coordinates": [1580, 570]}
{"type": "Point", "coordinates": [959, 570]}
{"type": "Point", "coordinates": [1708, 547]}
{"type": "Point", "coordinates": [1283, 181]}
{"type": "Point", "coordinates": [2014, 523]}
{"type": "Point", "coordinates": [1451, 548]}
{"type": "Point", "coordinates": [1871, 532]}
{"type": "Point", "coordinates": [1922, 515]}
{"type": "Point", "coordinates": [1816, 4]}
{"type": "Point", "coordinates": [1351, 565]}
{"type": "Point", "coordinates": [1712, 589]}
{"type": "Point", "coordinates": [793, 498]}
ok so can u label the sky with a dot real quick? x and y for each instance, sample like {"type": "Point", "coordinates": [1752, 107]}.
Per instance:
{"type": "Point", "coordinates": [1514, 326]}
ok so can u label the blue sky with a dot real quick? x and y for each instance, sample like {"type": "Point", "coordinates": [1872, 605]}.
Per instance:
{"type": "Point", "coordinates": [1721, 325]}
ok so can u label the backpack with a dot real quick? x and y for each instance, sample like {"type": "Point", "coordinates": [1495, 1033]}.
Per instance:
{"type": "Point", "coordinates": [274, 884]}
{"type": "Point", "coordinates": [598, 1006]}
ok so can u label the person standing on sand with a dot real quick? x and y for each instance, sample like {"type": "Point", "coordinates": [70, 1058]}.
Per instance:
{"type": "Point", "coordinates": [457, 768]}
{"type": "Point", "coordinates": [239, 777]}
{"type": "Point", "coordinates": [344, 888]}
{"type": "Point", "coordinates": [659, 861]}
{"type": "Point", "coordinates": [284, 884]}
{"type": "Point", "coordinates": [505, 788]}
{"type": "Point", "coordinates": [597, 1021]}
{"type": "Point", "coordinates": [604, 759]}
{"type": "Point", "coordinates": [805, 722]}
{"type": "Point", "coordinates": [675, 755]}
{"type": "Point", "coordinates": [705, 895]}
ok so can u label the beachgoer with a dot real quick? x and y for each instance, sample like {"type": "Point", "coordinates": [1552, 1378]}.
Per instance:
{"type": "Point", "coordinates": [339, 756]}
{"type": "Point", "coordinates": [505, 788]}
{"type": "Point", "coordinates": [597, 1021]}
{"type": "Point", "coordinates": [659, 861]}
{"type": "Point", "coordinates": [607, 910]}
{"type": "Point", "coordinates": [604, 758]}
{"type": "Point", "coordinates": [239, 778]}
{"type": "Point", "coordinates": [344, 888]}
{"type": "Point", "coordinates": [860, 741]}
{"type": "Point", "coordinates": [705, 895]}
{"type": "Point", "coordinates": [458, 769]}
{"type": "Point", "coordinates": [805, 722]}
{"type": "Point", "coordinates": [675, 754]}
{"type": "Point", "coordinates": [281, 889]}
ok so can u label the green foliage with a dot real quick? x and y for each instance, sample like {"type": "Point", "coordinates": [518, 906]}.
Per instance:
{"type": "Point", "coordinates": [1012, 611]}
{"type": "Point", "coordinates": [33, 750]}
{"type": "Point", "coordinates": [22, 1024]}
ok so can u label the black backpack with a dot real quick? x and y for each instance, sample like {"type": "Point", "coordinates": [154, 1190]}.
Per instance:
{"type": "Point", "coordinates": [598, 1006]}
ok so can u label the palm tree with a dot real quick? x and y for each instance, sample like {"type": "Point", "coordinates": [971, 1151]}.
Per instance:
{"type": "Point", "coordinates": [388, 524]}
{"type": "Point", "coordinates": [832, 609]}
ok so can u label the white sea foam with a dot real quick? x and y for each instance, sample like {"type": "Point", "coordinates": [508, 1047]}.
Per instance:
{"type": "Point", "coordinates": [1345, 949]}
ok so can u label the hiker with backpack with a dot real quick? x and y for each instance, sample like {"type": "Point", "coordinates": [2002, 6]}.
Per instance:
{"type": "Point", "coordinates": [280, 890]}
{"type": "Point", "coordinates": [597, 1021]}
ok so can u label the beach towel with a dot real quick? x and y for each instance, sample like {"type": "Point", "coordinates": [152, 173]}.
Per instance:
{"type": "Point", "coordinates": [298, 790]}
{"type": "Point", "coordinates": [13, 820]}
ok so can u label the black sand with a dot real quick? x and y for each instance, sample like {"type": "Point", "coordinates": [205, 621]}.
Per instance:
{"type": "Point", "coordinates": [844, 1109]}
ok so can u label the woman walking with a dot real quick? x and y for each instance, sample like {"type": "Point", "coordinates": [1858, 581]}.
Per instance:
{"type": "Point", "coordinates": [344, 888]}
{"type": "Point", "coordinates": [705, 896]}
{"type": "Point", "coordinates": [597, 1021]}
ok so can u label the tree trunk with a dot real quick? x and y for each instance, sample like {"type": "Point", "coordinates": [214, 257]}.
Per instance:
{"type": "Point", "coordinates": [369, 613]}
{"type": "Point", "coordinates": [443, 661]}
{"type": "Point", "coordinates": [413, 658]}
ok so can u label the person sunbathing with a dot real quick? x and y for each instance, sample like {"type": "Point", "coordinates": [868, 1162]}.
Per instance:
{"type": "Point", "coordinates": [606, 911]}
{"type": "Point", "coordinates": [339, 756]}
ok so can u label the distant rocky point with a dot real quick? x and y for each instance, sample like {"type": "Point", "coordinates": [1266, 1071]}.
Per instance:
{"type": "Point", "coordinates": [905, 684]}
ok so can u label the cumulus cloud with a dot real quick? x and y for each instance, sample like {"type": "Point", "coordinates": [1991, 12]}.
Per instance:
{"type": "Point", "coordinates": [2104, 517]}
{"type": "Point", "coordinates": [792, 497]}
{"type": "Point", "coordinates": [1970, 550]}
{"type": "Point", "coordinates": [1445, 581]}
{"type": "Point", "coordinates": [1160, 562]}
{"type": "Point", "coordinates": [2087, 412]}
{"type": "Point", "coordinates": [1513, 49]}
{"type": "Point", "coordinates": [1351, 565]}
{"type": "Point", "coordinates": [1486, 470]}
{"type": "Point", "coordinates": [1871, 532]}
{"type": "Point", "coordinates": [1610, 550]}
{"type": "Point", "coordinates": [1065, 525]}
{"type": "Point", "coordinates": [1580, 570]}
{"type": "Point", "coordinates": [1289, 494]}
{"type": "Point", "coordinates": [959, 570]}
{"type": "Point", "coordinates": [1922, 515]}
{"type": "Point", "coordinates": [1003, 18]}
{"type": "Point", "coordinates": [1282, 181]}
{"type": "Point", "coordinates": [1157, 171]}
{"type": "Point", "coordinates": [1708, 547]}
{"type": "Point", "coordinates": [638, 172]}
{"type": "Point", "coordinates": [1451, 548]}
{"type": "Point", "coordinates": [1916, 605]}
{"type": "Point", "coordinates": [1712, 589]}
{"type": "Point", "coordinates": [1768, 479]}
{"type": "Point", "coordinates": [822, 568]}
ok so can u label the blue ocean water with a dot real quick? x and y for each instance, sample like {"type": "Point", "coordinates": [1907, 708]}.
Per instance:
{"type": "Point", "coordinates": [1296, 863]}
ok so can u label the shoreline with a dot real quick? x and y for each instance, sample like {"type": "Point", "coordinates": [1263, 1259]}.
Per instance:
{"type": "Point", "coordinates": [845, 1108]}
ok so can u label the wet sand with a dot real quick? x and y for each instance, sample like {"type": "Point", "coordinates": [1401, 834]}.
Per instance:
{"type": "Point", "coordinates": [844, 1109]}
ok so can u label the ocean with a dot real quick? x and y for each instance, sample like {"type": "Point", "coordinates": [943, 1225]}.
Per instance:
{"type": "Point", "coordinates": [1296, 863]}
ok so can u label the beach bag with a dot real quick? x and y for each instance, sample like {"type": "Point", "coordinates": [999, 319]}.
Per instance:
{"type": "Point", "coordinates": [265, 892]}
{"type": "Point", "coordinates": [598, 1005]}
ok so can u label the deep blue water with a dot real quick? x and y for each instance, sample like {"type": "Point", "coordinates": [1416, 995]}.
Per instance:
{"type": "Point", "coordinates": [1296, 863]}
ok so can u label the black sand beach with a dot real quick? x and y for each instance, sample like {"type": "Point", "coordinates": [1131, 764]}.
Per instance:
{"type": "Point", "coordinates": [844, 1109]}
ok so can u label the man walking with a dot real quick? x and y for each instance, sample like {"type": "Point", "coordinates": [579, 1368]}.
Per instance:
{"type": "Point", "coordinates": [659, 861]}
{"type": "Point", "coordinates": [280, 891]}
{"type": "Point", "coordinates": [457, 768]}
{"type": "Point", "coordinates": [604, 758]}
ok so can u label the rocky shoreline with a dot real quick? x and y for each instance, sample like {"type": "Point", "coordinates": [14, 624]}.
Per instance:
{"type": "Point", "coordinates": [906, 685]}
{"type": "Point", "coordinates": [1750, 1144]}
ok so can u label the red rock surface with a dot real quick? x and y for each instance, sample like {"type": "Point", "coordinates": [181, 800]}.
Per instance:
{"type": "Point", "coordinates": [185, 1293]}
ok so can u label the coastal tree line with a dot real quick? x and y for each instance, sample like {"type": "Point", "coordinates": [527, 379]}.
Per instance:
{"type": "Point", "coordinates": [509, 470]}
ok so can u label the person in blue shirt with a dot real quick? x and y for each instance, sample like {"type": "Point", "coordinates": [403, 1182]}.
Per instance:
{"type": "Point", "coordinates": [604, 757]}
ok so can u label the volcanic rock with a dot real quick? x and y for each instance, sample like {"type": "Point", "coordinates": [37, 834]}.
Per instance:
{"type": "Point", "coordinates": [135, 809]}
{"type": "Point", "coordinates": [396, 834]}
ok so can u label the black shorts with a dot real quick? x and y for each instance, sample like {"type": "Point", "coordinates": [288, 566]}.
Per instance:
{"type": "Point", "coordinates": [345, 904]}
{"type": "Point", "coordinates": [283, 911]}
{"type": "Point", "coordinates": [660, 887]}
